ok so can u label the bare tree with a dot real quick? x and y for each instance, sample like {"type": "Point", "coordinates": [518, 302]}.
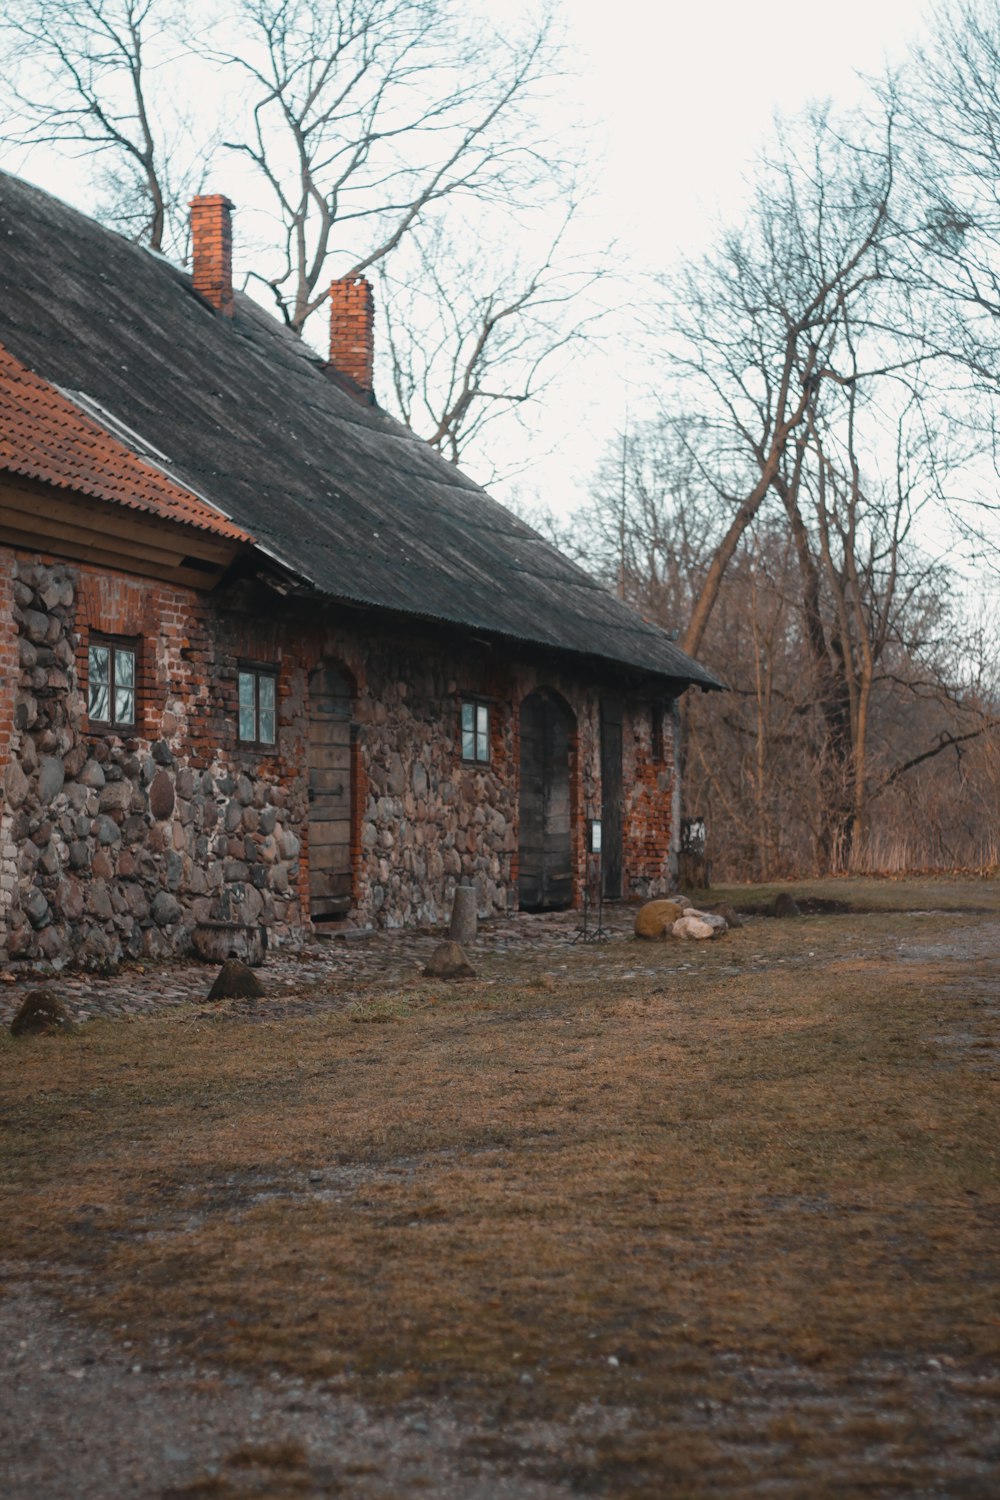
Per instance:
{"type": "Point", "coordinates": [364, 114]}
{"type": "Point", "coordinates": [751, 333]}
{"type": "Point", "coordinates": [397, 134]}
{"type": "Point", "coordinates": [861, 711]}
{"type": "Point", "coordinates": [87, 76]}
{"type": "Point", "coordinates": [475, 329]}
{"type": "Point", "coordinates": [948, 105]}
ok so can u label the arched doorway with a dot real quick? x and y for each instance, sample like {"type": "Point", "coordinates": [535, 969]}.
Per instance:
{"type": "Point", "coordinates": [331, 696]}
{"type": "Point", "coordinates": [545, 868]}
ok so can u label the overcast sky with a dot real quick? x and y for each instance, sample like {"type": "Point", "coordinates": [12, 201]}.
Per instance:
{"type": "Point", "coordinates": [684, 95]}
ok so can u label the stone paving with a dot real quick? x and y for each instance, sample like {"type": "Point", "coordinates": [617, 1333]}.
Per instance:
{"type": "Point", "coordinates": [328, 972]}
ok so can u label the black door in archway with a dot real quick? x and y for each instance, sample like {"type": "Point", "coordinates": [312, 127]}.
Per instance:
{"type": "Point", "coordinates": [545, 871]}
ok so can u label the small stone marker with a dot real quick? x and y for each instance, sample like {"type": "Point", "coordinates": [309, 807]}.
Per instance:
{"type": "Point", "coordinates": [214, 942]}
{"type": "Point", "coordinates": [449, 961]}
{"type": "Point", "coordinates": [41, 1012]}
{"type": "Point", "coordinates": [655, 919]}
{"type": "Point", "coordinates": [785, 905]}
{"type": "Point", "coordinates": [235, 981]}
{"type": "Point", "coordinates": [463, 915]}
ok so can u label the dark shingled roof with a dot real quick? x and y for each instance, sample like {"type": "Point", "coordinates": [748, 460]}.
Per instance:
{"type": "Point", "coordinates": [241, 412]}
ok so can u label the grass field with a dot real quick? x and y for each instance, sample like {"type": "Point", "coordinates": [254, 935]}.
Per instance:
{"type": "Point", "coordinates": [674, 1220]}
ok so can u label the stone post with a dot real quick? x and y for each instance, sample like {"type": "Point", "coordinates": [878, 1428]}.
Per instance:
{"type": "Point", "coordinates": [463, 916]}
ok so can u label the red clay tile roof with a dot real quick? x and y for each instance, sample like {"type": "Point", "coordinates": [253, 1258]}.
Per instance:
{"type": "Point", "coordinates": [43, 435]}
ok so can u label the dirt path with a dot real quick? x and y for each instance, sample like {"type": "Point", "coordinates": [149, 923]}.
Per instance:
{"type": "Point", "coordinates": [80, 1421]}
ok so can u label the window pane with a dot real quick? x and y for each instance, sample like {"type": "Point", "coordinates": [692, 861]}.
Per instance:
{"type": "Point", "coordinates": [99, 703]}
{"type": "Point", "coordinates": [482, 732]}
{"type": "Point", "coordinates": [468, 717]}
{"type": "Point", "coordinates": [266, 688]}
{"type": "Point", "coordinates": [124, 668]}
{"type": "Point", "coordinates": [267, 726]}
{"type": "Point", "coordinates": [248, 726]}
{"type": "Point", "coordinates": [98, 663]}
{"type": "Point", "coordinates": [468, 744]}
{"type": "Point", "coordinates": [98, 699]}
{"type": "Point", "coordinates": [124, 705]}
{"type": "Point", "coordinates": [246, 690]}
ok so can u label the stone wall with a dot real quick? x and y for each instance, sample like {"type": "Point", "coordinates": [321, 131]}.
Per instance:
{"type": "Point", "coordinates": [115, 846]}
{"type": "Point", "coordinates": [123, 844]}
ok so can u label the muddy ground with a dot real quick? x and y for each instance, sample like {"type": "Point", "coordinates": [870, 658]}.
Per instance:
{"type": "Point", "coordinates": [624, 1219]}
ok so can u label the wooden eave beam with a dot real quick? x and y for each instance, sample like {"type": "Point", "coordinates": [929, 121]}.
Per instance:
{"type": "Point", "coordinates": [80, 528]}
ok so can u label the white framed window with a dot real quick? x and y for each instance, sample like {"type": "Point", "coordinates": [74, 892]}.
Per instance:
{"type": "Point", "coordinates": [257, 690]}
{"type": "Point", "coordinates": [476, 731]}
{"type": "Point", "coordinates": [111, 683]}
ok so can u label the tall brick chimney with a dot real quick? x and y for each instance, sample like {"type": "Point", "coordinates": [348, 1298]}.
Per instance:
{"type": "Point", "coordinates": [352, 331]}
{"type": "Point", "coordinates": [212, 250]}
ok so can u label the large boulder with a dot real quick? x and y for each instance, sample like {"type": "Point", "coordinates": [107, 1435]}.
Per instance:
{"type": "Point", "coordinates": [699, 925]}
{"type": "Point", "coordinates": [655, 919]}
{"type": "Point", "coordinates": [449, 961]}
{"type": "Point", "coordinates": [785, 905]}
{"type": "Point", "coordinates": [715, 920]}
{"type": "Point", "coordinates": [41, 1012]}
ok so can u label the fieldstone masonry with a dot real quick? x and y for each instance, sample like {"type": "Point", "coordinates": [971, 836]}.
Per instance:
{"type": "Point", "coordinates": [116, 846]}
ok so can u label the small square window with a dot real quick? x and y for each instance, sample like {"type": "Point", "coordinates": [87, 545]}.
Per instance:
{"type": "Point", "coordinates": [476, 731]}
{"type": "Point", "coordinates": [258, 707]}
{"type": "Point", "coordinates": [111, 684]}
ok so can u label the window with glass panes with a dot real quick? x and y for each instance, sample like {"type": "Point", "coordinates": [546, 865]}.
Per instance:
{"type": "Point", "coordinates": [111, 684]}
{"type": "Point", "coordinates": [258, 706]}
{"type": "Point", "coordinates": [475, 731]}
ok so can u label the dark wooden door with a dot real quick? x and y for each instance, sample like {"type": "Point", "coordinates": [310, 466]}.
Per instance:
{"type": "Point", "coordinates": [545, 871]}
{"type": "Point", "coordinates": [330, 700]}
{"type": "Point", "coordinates": [612, 796]}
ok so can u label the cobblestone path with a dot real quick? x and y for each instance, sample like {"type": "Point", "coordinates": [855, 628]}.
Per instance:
{"type": "Point", "coordinates": [330, 971]}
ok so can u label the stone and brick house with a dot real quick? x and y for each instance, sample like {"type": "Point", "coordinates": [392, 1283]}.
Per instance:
{"type": "Point", "coordinates": [265, 656]}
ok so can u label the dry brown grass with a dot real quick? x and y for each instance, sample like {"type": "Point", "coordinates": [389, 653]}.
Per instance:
{"type": "Point", "coordinates": [684, 1221]}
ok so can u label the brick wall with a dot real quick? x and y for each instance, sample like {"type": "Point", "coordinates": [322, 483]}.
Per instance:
{"type": "Point", "coordinates": [649, 802]}
{"type": "Point", "coordinates": [116, 844]}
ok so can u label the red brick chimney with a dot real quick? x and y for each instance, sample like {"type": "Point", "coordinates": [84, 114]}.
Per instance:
{"type": "Point", "coordinates": [212, 250]}
{"type": "Point", "coordinates": [352, 331]}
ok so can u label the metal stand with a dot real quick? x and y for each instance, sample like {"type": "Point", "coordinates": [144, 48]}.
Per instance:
{"type": "Point", "coordinates": [586, 934]}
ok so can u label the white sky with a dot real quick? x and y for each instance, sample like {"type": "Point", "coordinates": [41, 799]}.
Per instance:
{"type": "Point", "coordinates": [683, 95]}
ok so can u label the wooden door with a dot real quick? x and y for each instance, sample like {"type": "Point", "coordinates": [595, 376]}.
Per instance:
{"type": "Point", "coordinates": [612, 796]}
{"type": "Point", "coordinates": [545, 870]}
{"type": "Point", "coordinates": [330, 700]}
